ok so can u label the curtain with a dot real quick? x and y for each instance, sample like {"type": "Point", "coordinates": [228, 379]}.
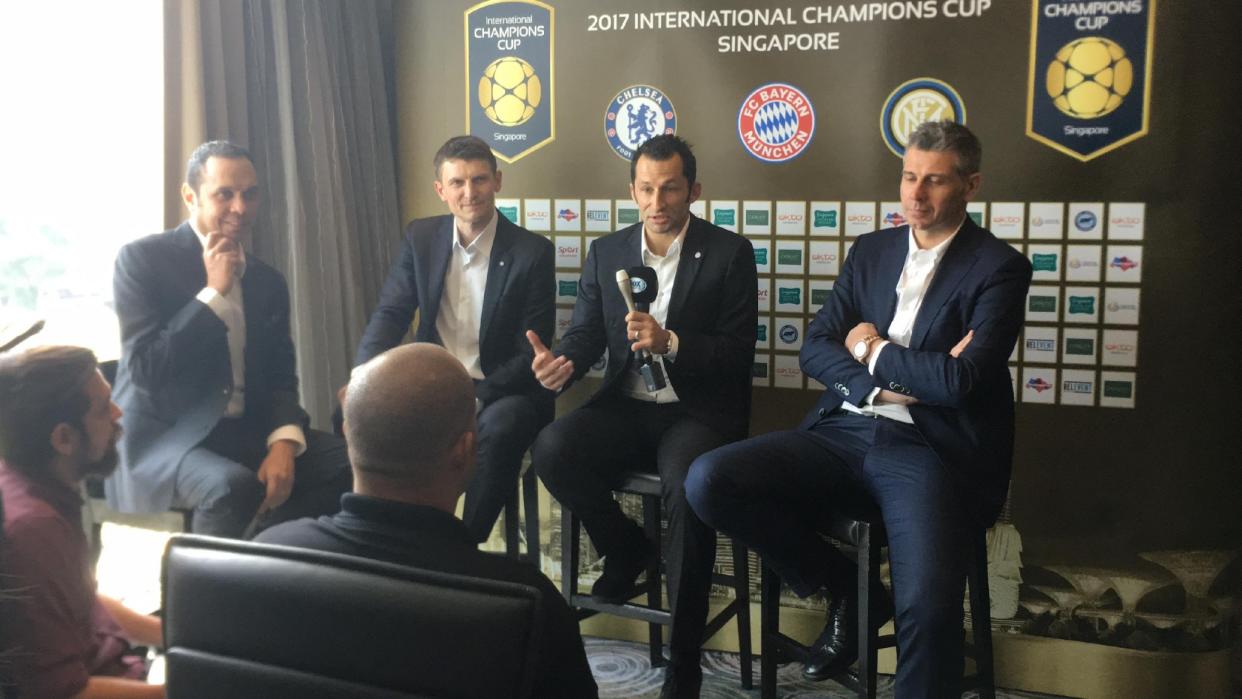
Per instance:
{"type": "Point", "coordinates": [308, 86]}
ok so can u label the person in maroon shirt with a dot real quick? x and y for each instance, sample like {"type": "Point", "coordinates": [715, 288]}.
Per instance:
{"type": "Point", "coordinates": [59, 638]}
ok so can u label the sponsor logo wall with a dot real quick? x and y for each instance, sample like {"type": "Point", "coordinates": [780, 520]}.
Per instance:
{"type": "Point", "coordinates": [1082, 313]}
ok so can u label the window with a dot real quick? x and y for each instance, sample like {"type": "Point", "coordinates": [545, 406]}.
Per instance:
{"type": "Point", "coordinates": [81, 159]}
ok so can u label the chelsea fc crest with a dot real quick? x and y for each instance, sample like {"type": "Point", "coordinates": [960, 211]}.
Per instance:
{"type": "Point", "coordinates": [636, 114]}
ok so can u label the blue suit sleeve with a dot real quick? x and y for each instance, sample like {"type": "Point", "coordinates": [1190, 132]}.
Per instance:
{"type": "Point", "coordinates": [587, 338]}
{"type": "Point", "coordinates": [936, 378]}
{"type": "Point", "coordinates": [824, 356]}
{"type": "Point", "coordinates": [160, 350]}
{"type": "Point", "coordinates": [398, 302]}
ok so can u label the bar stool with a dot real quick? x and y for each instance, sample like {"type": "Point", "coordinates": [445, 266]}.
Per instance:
{"type": "Point", "coordinates": [866, 538]}
{"type": "Point", "coordinates": [529, 493]}
{"type": "Point", "coordinates": [647, 485]}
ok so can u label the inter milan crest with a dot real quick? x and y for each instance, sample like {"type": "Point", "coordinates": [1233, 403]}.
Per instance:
{"type": "Point", "coordinates": [509, 76]}
{"type": "Point", "coordinates": [636, 114]}
{"type": "Point", "coordinates": [915, 102]}
{"type": "Point", "coordinates": [776, 122]}
{"type": "Point", "coordinates": [1090, 79]}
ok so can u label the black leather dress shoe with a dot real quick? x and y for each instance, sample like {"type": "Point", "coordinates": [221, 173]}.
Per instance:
{"type": "Point", "coordinates": [837, 646]}
{"type": "Point", "coordinates": [682, 682]}
{"type": "Point", "coordinates": [621, 569]}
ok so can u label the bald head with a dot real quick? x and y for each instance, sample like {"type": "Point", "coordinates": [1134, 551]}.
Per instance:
{"type": "Point", "coordinates": [407, 412]}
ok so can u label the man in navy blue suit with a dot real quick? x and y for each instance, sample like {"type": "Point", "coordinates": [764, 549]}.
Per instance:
{"type": "Point", "coordinates": [917, 419]}
{"type": "Point", "coordinates": [479, 282]}
{"type": "Point", "coordinates": [701, 330]}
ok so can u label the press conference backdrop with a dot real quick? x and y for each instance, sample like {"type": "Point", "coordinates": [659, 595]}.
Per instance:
{"type": "Point", "coordinates": [1101, 164]}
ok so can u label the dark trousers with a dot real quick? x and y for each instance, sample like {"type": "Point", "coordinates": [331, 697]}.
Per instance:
{"type": "Point", "coordinates": [218, 480]}
{"type": "Point", "coordinates": [582, 456]}
{"type": "Point", "coordinates": [507, 427]}
{"type": "Point", "coordinates": [773, 492]}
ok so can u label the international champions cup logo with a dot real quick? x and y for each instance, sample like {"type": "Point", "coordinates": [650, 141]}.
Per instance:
{"type": "Point", "coordinates": [776, 122]}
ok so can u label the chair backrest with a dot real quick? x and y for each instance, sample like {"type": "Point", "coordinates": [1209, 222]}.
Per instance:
{"type": "Point", "coordinates": [252, 620]}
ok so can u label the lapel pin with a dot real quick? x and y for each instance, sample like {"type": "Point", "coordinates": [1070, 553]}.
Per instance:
{"type": "Point", "coordinates": [698, 254]}
{"type": "Point", "coordinates": [502, 263]}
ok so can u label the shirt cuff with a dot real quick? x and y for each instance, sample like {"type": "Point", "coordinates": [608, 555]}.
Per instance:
{"type": "Point", "coordinates": [214, 300]}
{"type": "Point", "coordinates": [671, 354]}
{"type": "Point", "coordinates": [293, 433]}
{"type": "Point", "coordinates": [875, 357]}
{"type": "Point", "coordinates": [869, 401]}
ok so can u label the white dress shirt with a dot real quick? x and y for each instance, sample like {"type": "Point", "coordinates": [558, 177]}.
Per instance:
{"type": "Point", "coordinates": [666, 274]}
{"type": "Point", "coordinates": [912, 285]}
{"type": "Point", "coordinates": [231, 309]}
{"type": "Point", "coordinates": [460, 317]}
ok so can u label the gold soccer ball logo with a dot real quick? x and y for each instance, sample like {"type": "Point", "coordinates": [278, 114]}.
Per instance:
{"type": "Point", "coordinates": [1089, 77]}
{"type": "Point", "coordinates": [509, 91]}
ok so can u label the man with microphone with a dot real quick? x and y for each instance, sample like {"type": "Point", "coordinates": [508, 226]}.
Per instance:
{"type": "Point", "coordinates": [677, 385]}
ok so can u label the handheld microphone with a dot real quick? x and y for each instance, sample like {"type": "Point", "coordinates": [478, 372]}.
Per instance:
{"type": "Point", "coordinates": [652, 372]}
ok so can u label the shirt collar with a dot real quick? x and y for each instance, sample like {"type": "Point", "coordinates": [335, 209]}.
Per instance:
{"type": "Point", "coordinates": [202, 241]}
{"type": "Point", "coordinates": [404, 515]}
{"type": "Point", "coordinates": [65, 500]}
{"type": "Point", "coordinates": [936, 252]}
{"type": "Point", "coordinates": [482, 245]}
{"type": "Point", "coordinates": [674, 248]}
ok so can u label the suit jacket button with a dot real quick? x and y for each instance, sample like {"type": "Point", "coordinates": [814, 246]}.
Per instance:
{"type": "Point", "coordinates": [892, 385]}
{"type": "Point", "coordinates": [823, 412]}
{"type": "Point", "coordinates": [846, 391]}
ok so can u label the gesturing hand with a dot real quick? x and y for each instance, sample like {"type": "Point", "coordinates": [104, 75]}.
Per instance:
{"type": "Point", "coordinates": [550, 371]}
{"type": "Point", "coordinates": [221, 258]}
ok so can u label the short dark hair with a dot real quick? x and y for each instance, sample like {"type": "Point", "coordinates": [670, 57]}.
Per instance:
{"type": "Point", "coordinates": [212, 149]}
{"type": "Point", "coordinates": [949, 136]}
{"type": "Point", "coordinates": [464, 148]}
{"type": "Point", "coordinates": [39, 389]}
{"type": "Point", "coordinates": [662, 148]}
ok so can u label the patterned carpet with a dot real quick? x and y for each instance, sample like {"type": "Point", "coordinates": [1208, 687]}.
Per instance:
{"type": "Point", "coordinates": [622, 669]}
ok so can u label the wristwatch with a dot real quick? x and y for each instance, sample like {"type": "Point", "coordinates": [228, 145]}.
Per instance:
{"type": "Point", "coordinates": [863, 346]}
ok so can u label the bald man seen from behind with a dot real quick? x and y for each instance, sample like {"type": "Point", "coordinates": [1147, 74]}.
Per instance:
{"type": "Point", "coordinates": [410, 425]}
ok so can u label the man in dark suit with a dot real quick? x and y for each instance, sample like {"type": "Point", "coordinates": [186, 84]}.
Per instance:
{"type": "Point", "coordinates": [480, 282]}
{"type": "Point", "coordinates": [412, 438]}
{"type": "Point", "coordinates": [917, 418]}
{"type": "Point", "coordinates": [207, 376]}
{"type": "Point", "coordinates": [701, 328]}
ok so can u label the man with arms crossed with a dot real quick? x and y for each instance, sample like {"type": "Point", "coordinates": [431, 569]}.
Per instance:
{"type": "Point", "coordinates": [412, 435]}
{"type": "Point", "coordinates": [207, 376]}
{"type": "Point", "coordinates": [701, 329]}
{"type": "Point", "coordinates": [479, 281]}
{"type": "Point", "coordinates": [917, 418]}
{"type": "Point", "coordinates": [58, 637]}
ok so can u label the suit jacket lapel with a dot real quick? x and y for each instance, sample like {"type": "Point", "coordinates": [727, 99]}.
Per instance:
{"type": "Point", "coordinates": [891, 263]}
{"type": "Point", "coordinates": [693, 248]}
{"type": "Point", "coordinates": [958, 260]}
{"type": "Point", "coordinates": [441, 250]}
{"type": "Point", "coordinates": [498, 268]}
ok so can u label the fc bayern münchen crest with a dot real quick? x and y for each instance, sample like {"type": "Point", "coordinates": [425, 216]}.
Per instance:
{"type": "Point", "coordinates": [776, 122]}
{"type": "Point", "coordinates": [636, 114]}
{"type": "Point", "coordinates": [914, 102]}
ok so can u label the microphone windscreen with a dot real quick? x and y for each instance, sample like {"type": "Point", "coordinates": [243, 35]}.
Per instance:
{"type": "Point", "coordinates": [644, 284]}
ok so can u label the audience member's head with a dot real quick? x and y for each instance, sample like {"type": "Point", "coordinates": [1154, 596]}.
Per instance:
{"type": "Point", "coordinates": [409, 421]}
{"type": "Point", "coordinates": [57, 418]}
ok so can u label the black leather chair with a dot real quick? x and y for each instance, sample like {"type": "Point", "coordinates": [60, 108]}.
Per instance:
{"type": "Point", "coordinates": [251, 620]}
{"type": "Point", "coordinates": [866, 538]}
{"type": "Point", "coordinates": [647, 485]}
